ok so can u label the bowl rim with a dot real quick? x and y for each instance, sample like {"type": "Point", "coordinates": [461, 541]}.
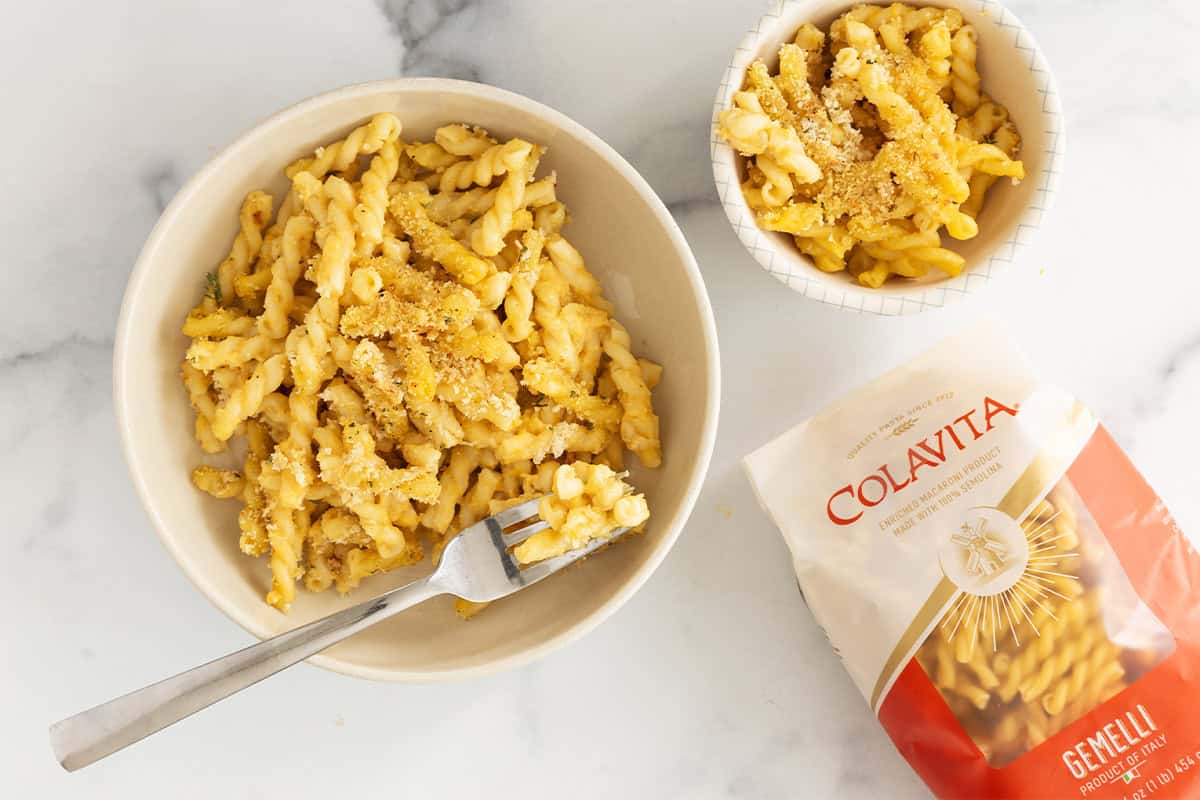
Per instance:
{"type": "Point", "coordinates": [171, 216]}
{"type": "Point", "coordinates": [796, 270]}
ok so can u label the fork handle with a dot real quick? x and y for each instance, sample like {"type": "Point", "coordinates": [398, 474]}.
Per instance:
{"type": "Point", "coordinates": [91, 735]}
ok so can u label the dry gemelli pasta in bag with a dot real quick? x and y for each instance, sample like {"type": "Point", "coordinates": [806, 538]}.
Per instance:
{"type": "Point", "coordinates": [1011, 597]}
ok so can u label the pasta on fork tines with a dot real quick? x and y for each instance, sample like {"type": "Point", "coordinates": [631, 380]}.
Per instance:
{"type": "Point", "coordinates": [409, 345]}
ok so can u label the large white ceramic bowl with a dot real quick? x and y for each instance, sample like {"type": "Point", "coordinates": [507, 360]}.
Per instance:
{"type": "Point", "coordinates": [629, 240]}
{"type": "Point", "coordinates": [1014, 72]}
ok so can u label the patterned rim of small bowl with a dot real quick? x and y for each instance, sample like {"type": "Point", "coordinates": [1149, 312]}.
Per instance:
{"type": "Point", "coordinates": [796, 270]}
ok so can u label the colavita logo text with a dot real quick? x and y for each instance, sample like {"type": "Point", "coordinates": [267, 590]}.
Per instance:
{"type": "Point", "coordinates": [847, 505]}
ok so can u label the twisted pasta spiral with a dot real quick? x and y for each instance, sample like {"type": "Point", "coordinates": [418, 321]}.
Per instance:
{"type": "Point", "coordinates": [639, 423]}
{"type": "Point", "coordinates": [364, 140]}
{"type": "Point", "coordinates": [495, 161]}
{"type": "Point", "coordinates": [256, 211]}
{"type": "Point", "coordinates": [245, 401]}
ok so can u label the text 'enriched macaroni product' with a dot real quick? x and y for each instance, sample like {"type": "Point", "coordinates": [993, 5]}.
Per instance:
{"type": "Point", "coordinates": [1011, 597]}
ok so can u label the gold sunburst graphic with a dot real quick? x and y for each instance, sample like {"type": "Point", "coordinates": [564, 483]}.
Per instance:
{"type": "Point", "coordinates": [988, 617]}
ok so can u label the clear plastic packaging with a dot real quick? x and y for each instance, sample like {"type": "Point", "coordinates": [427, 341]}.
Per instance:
{"type": "Point", "coordinates": [1012, 598]}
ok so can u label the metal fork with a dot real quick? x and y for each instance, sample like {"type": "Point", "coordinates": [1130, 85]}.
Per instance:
{"type": "Point", "coordinates": [475, 565]}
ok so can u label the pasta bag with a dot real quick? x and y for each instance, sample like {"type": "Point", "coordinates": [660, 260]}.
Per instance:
{"type": "Point", "coordinates": [1012, 599]}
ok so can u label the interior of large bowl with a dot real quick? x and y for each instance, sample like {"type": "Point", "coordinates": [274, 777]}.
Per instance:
{"type": "Point", "coordinates": [1013, 72]}
{"type": "Point", "coordinates": [628, 241]}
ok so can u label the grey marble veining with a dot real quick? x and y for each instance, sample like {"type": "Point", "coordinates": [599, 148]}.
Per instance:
{"type": "Point", "coordinates": [418, 25]}
{"type": "Point", "coordinates": [714, 682]}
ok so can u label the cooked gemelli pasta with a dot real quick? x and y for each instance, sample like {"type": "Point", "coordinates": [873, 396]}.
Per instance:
{"type": "Point", "coordinates": [256, 210]}
{"type": "Point", "coordinates": [491, 163]}
{"type": "Point", "coordinates": [220, 483]}
{"type": "Point", "coordinates": [518, 304]}
{"type": "Point", "coordinates": [245, 401]}
{"type": "Point", "coordinates": [864, 153]}
{"type": "Point", "coordinates": [410, 346]}
{"type": "Point", "coordinates": [639, 423]}
{"type": "Point", "coordinates": [459, 140]}
{"type": "Point", "coordinates": [497, 221]}
{"type": "Point", "coordinates": [588, 501]}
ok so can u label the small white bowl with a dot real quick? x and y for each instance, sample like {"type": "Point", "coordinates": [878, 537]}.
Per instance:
{"type": "Point", "coordinates": [629, 240]}
{"type": "Point", "coordinates": [1014, 73]}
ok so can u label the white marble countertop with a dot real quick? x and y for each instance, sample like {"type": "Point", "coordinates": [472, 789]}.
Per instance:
{"type": "Point", "coordinates": [714, 681]}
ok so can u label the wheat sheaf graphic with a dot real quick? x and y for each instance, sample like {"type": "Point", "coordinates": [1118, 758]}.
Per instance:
{"type": "Point", "coordinates": [904, 426]}
{"type": "Point", "coordinates": [986, 555]}
{"type": "Point", "coordinates": [974, 618]}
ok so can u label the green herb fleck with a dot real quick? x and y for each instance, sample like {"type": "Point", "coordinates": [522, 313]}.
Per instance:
{"type": "Point", "coordinates": [214, 287]}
